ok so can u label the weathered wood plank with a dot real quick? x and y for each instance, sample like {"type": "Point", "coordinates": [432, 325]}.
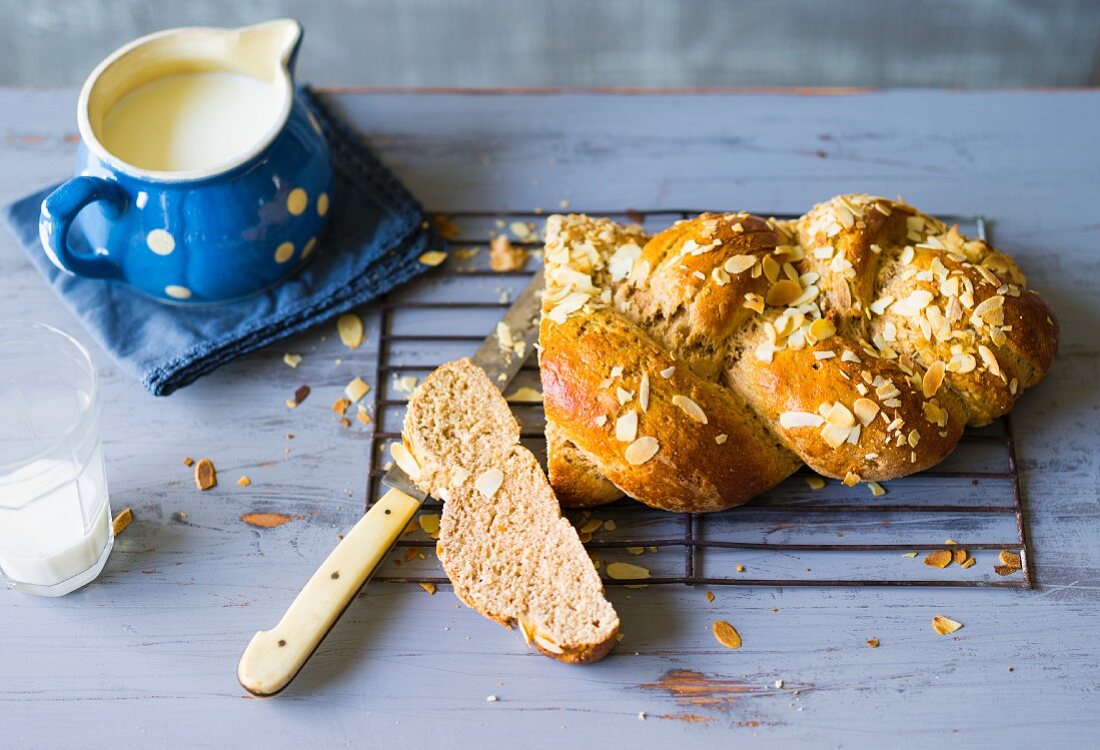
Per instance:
{"type": "Point", "coordinates": [148, 652]}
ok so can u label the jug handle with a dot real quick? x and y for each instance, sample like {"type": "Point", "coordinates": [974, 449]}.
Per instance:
{"type": "Point", "coordinates": [59, 210]}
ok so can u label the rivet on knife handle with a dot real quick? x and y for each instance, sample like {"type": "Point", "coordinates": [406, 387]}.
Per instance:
{"type": "Point", "coordinates": [273, 657]}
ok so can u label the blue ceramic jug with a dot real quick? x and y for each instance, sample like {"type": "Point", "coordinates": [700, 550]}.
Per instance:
{"type": "Point", "coordinates": [189, 230]}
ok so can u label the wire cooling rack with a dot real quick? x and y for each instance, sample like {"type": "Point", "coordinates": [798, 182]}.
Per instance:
{"type": "Point", "coordinates": [791, 536]}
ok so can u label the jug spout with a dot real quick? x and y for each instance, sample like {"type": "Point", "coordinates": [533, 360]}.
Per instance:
{"type": "Point", "coordinates": [269, 45]}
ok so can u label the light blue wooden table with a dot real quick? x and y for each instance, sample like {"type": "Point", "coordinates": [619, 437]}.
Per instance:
{"type": "Point", "coordinates": [146, 656]}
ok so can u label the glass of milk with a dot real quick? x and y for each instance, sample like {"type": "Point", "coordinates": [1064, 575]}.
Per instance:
{"type": "Point", "coordinates": [55, 517]}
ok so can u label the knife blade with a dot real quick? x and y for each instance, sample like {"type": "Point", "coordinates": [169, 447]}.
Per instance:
{"type": "Point", "coordinates": [274, 657]}
{"type": "Point", "coordinates": [522, 322]}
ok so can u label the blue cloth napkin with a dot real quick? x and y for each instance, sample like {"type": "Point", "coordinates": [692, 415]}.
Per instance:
{"type": "Point", "coordinates": [376, 233]}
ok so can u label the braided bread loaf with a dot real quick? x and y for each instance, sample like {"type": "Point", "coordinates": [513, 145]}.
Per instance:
{"type": "Point", "coordinates": [697, 368]}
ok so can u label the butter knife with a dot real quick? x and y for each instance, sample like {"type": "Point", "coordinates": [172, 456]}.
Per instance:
{"type": "Point", "coordinates": [274, 657]}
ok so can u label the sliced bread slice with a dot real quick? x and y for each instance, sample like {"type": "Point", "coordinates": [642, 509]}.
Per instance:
{"type": "Point", "coordinates": [502, 539]}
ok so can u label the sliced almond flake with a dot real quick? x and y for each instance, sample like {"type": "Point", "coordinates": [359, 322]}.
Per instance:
{"type": "Point", "coordinates": [736, 264]}
{"type": "Point", "coordinates": [721, 439]}
{"type": "Point", "coordinates": [961, 363]}
{"type": "Point", "coordinates": [623, 395]}
{"type": "Point", "coordinates": [771, 269]}
{"type": "Point", "coordinates": [941, 558]}
{"type": "Point", "coordinates": [689, 407]}
{"type": "Point", "coordinates": [840, 416]}
{"type": "Point", "coordinates": [828, 354]}
{"type": "Point", "coordinates": [668, 372]}
{"type": "Point", "coordinates": [876, 489]}
{"type": "Point", "coordinates": [726, 634]}
{"type": "Point", "coordinates": [789, 419]}
{"type": "Point", "coordinates": [933, 378]}
{"type": "Point", "coordinates": [849, 356]}
{"type": "Point", "coordinates": [783, 292]}
{"type": "Point", "coordinates": [429, 523]}
{"type": "Point", "coordinates": [601, 420]}
{"type": "Point", "coordinates": [851, 479]}
{"type": "Point", "coordinates": [489, 482]}
{"type": "Point", "coordinates": [824, 252]}
{"type": "Point", "coordinates": [405, 460]}
{"type": "Point", "coordinates": [292, 360]}
{"type": "Point", "coordinates": [969, 562]}
{"type": "Point", "coordinates": [641, 450]}
{"type": "Point", "coordinates": [990, 361]}
{"type": "Point", "coordinates": [406, 384]}
{"type": "Point", "coordinates": [643, 392]}
{"type": "Point", "coordinates": [835, 435]}
{"type": "Point", "coordinates": [720, 276]}
{"type": "Point", "coordinates": [815, 483]}
{"type": "Point", "coordinates": [621, 571]}
{"type": "Point", "coordinates": [822, 329]}
{"type": "Point", "coordinates": [617, 371]}
{"type": "Point", "coordinates": [350, 328]}
{"type": "Point", "coordinates": [626, 427]}
{"type": "Point", "coordinates": [865, 410]}
{"type": "Point", "coordinates": [945, 625]}
{"type": "Point", "coordinates": [433, 257]}
{"type": "Point", "coordinates": [356, 389]}
{"type": "Point", "coordinates": [755, 303]}
{"type": "Point", "coordinates": [959, 556]}
{"type": "Point", "coordinates": [591, 525]}
{"type": "Point", "coordinates": [909, 554]}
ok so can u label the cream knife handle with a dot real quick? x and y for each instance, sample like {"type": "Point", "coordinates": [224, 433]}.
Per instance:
{"type": "Point", "coordinates": [273, 657]}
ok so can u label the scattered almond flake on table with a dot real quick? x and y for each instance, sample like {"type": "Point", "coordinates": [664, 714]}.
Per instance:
{"type": "Point", "coordinates": [503, 256]}
{"type": "Point", "coordinates": [908, 554]}
{"type": "Point", "coordinates": [433, 258]}
{"type": "Point", "coordinates": [945, 625]}
{"type": "Point", "coordinates": [969, 562]}
{"type": "Point", "coordinates": [446, 227]}
{"type": "Point", "coordinates": [876, 489]}
{"type": "Point", "coordinates": [525, 231]}
{"type": "Point", "coordinates": [524, 395]}
{"type": "Point", "coordinates": [491, 698]}
{"type": "Point", "coordinates": [205, 474]}
{"type": "Point", "coordinates": [362, 415]}
{"type": "Point", "coordinates": [265, 520]}
{"type": "Point", "coordinates": [355, 390]}
{"type": "Point", "coordinates": [350, 328]}
{"type": "Point", "coordinates": [621, 571]}
{"type": "Point", "coordinates": [591, 525]}
{"type": "Point", "coordinates": [188, 461]}
{"type": "Point", "coordinates": [740, 568]}
{"type": "Point", "coordinates": [941, 558]}
{"type": "Point", "coordinates": [244, 481]}
{"type": "Point", "coordinates": [873, 643]}
{"type": "Point", "coordinates": [726, 634]}
{"type": "Point", "coordinates": [122, 521]}
{"type": "Point", "coordinates": [405, 384]}
{"type": "Point", "coordinates": [292, 360]}
{"type": "Point", "coordinates": [429, 523]}
{"type": "Point", "coordinates": [710, 596]}
{"type": "Point", "coordinates": [341, 405]}
{"type": "Point", "coordinates": [636, 550]}
{"type": "Point", "coordinates": [609, 525]}
{"type": "Point", "coordinates": [816, 483]}
{"type": "Point", "coordinates": [429, 587]}
{"type": "Point", "coordinates": [466, 253]}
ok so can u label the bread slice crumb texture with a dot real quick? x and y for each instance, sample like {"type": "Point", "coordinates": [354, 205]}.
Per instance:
{"type": "Point", "coordinates": [503, 542]}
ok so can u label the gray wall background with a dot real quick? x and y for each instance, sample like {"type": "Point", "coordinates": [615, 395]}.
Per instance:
{"type": "Point", "coordinates": [961, 43]}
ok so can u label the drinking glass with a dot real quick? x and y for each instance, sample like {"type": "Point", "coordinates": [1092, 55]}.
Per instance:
{"type": "Point", "coordinates": [55, 516]}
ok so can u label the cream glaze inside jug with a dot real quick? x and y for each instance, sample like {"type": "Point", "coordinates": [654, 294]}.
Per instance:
{"type": "Point", "coordinates": [189, 121]}
{"type": "Point", "coordinates": [190, 103]}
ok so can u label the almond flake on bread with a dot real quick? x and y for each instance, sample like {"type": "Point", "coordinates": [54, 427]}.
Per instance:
{"type": "Point", "coordinates": [502, 539]}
